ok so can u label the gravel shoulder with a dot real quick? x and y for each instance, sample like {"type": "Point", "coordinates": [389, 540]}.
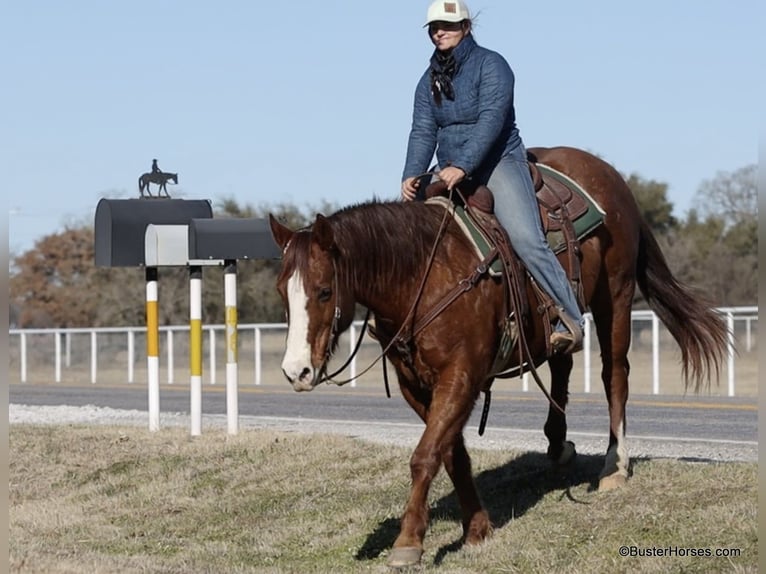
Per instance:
{"type": "Point", "coordinates": [401, 434]}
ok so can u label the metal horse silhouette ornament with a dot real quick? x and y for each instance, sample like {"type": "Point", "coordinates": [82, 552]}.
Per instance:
{"type": "Point", "coordinates": [159, 178]}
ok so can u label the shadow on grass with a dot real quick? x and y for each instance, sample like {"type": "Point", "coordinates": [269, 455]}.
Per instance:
{"type": "Point", "coordinates": [508, 491]}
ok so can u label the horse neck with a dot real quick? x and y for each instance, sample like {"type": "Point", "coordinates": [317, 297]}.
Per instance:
{"type": "Point", "coordinates": [384, 250]}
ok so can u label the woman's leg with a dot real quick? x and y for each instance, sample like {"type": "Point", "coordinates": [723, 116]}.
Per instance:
{"type": "Point", "coordinates": [517, 210]}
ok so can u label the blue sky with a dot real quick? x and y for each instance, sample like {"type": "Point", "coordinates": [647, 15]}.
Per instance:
{"type": "Point", "coordinates": [305, 101]}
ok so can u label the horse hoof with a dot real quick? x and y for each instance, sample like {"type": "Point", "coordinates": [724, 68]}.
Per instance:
{"type": "Point", "coordinates": [612, 481]}
{"type": "Point", "coordinates": [565, 457]}
{"type": "Point", "coordinates": [404, 556]}
{"type": "Point", "coordinates": [568, 454]}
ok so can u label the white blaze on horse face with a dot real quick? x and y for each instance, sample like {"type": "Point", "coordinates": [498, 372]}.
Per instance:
{"type": "Point", "coordinates": [296, 363]}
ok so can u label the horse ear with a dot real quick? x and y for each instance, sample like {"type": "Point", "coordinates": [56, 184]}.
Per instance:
{"type": "Point", "coordinates": [281, 233]}
{"type": "Point", "coordinates": [322, 233]}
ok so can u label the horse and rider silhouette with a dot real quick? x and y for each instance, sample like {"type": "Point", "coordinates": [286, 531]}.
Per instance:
{"type": "Point", "coordinates": [157, 177]}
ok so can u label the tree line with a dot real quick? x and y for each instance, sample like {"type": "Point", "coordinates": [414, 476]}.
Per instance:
{"type": "Point", "coordinates": [56, 283]}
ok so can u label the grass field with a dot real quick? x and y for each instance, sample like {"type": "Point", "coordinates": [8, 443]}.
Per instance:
{"type": "Point", "coordinates": [107, 499]}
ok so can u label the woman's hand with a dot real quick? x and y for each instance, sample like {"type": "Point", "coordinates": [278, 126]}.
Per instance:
{"type": "Point", "coordinates": [451, 175]}
{"type": "Point", "coordinates": [410, 188]}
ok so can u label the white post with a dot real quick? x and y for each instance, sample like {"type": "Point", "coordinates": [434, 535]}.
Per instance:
{"type": "Point", "coordinates": [351, 342]}
{"type": "Point", "coordinates": [211, 355]}
{"type": "Point", "coordinates": [171, 364]}
{"type": "Point", "coordinates": [730, 351]}
{"type": "Point", "coordinates": [57, 335]}
{"type": "Point", "coordinates": [131, 353]}
{"type": "Point", "coordinates": [153, 347]}
{"type": "Point", "coordinates": [93, 357]}
{"type": "Point", "coordinates": [23, 357]}
{"type": "Point", "coordinates": [586, 354]}
{"type": "Point", "coordinates": [257, 356]}
{"type": "Point", "coordinates": [232, 376]}
{"type": "Point", "coordinates": [655, 354]}
{"type": "Point", "coordinates": [195, 348]}
{"type": "Point", "coordinates": [67, 349]}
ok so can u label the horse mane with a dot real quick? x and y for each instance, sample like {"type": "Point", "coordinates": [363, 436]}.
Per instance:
{"type": "Point", "coordinates": [388, 239]}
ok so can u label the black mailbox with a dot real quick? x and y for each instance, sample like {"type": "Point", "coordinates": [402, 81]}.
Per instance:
{"type": "Point", "coordinates": [232, 239]}
{"type": "Point", "coordinates": [121, 225]}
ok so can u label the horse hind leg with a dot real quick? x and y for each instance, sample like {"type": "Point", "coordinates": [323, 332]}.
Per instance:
{"type": "Point", "coordinates": [613, 329]}
{"type": "Point", "coordinates": [561, 451]}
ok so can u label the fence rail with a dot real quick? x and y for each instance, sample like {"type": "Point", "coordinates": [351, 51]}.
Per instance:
{"type": "Point", "coordinates": [115, 354]}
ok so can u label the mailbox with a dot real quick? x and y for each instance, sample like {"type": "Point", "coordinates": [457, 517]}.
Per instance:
{"type": "Point", "coordinates": [242, 238]}
{"type": "Point", "coordinates": [120, 226]}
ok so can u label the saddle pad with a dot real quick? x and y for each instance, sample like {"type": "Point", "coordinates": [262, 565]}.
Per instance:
{"type": "Point", "coordinates": [584, 224]}
{"type": "Point", "coordinates": [480, 244]}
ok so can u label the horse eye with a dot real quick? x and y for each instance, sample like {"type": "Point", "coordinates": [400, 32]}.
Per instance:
{"type": "Point", "coordinates": [324, 294]}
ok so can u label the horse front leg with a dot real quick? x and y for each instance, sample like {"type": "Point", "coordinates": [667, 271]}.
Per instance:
{"type": "Point", "coordinates": [560, 450]}
{"type": "Point", "coordinates": [457, 463]}
{"type": "Point", "coordinates": [445, 417]}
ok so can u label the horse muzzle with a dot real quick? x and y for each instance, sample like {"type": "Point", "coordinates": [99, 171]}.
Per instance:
{"type": "Point", "coordinates": [305, 381]}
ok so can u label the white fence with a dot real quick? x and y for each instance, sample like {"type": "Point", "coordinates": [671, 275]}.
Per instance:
{"type": "Point", "coordinates": [118, 355]}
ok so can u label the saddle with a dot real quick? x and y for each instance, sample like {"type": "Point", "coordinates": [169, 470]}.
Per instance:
{"type": "Point", "coordinates": [561, 204]}
{"type": "Point", "coordinates": [559, 208]}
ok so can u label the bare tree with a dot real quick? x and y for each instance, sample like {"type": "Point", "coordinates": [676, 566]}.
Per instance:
{"type": "Point", "coordinates": [731, 196]}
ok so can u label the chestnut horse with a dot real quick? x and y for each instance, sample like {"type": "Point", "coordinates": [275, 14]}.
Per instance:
{"type": "Point", "coordinates": [376, 254]}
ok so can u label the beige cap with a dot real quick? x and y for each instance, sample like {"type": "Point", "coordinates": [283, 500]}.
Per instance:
{"type": "Point", "coordinates": [447, 11]}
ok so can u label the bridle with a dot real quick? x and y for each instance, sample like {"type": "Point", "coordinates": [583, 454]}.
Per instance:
{"type": "Point", "coordinates": [334, 328]}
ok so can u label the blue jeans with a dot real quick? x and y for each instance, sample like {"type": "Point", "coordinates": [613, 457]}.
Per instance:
{"type": "Point", "coordinates": [517, 210]}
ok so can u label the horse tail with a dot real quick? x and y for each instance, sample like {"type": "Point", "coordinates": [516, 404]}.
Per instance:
{"type": "Point", "coordinates": [141, 184]}
{"type": "Point", "coordinates": [699, 330]}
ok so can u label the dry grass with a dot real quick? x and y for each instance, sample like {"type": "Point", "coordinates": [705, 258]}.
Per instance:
{"type": "Point", "coordinates": [96, 499]}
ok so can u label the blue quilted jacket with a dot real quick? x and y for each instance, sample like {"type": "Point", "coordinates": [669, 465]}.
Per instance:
{"type": "Point", "coordinates": [474, 130]}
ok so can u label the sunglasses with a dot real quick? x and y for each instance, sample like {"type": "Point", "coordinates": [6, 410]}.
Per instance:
{"type": "Point", "coordinates": [434, 27]}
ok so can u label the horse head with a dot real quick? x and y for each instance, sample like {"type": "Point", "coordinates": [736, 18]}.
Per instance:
{"type": "Point", "coordinates": [319, 305]}
{"type": "Point", "coordinates": [173, 177]}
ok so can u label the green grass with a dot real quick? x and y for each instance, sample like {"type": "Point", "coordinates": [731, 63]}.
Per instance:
{"type": "Point", "coordinates": [96, 499]}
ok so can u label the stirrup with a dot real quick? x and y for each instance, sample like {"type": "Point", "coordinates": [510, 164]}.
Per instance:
{"type": "Point", "coordinates": [566, 342]}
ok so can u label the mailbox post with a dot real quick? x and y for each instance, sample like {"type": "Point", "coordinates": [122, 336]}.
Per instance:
{"type": "Point", "coordinates": [172, 233]}
{"type": "Point", "coordinates": [120, 241]}
{"type": "Point", "coordinates": [226, 240]}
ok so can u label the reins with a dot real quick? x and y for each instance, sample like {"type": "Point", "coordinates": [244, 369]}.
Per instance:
{"type": "Point", "coordinates": [339, 370]}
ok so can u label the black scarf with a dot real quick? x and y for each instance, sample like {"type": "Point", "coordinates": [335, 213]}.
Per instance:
{"type": "Point", "coordinates": [443, 68]}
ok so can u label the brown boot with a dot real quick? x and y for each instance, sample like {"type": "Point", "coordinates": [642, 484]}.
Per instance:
{"type": "Point", "coordinates": [566, 342]}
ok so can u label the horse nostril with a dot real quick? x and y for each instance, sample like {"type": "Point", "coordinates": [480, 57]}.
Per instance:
{"type": "Point", "coordinates": [305, 372]}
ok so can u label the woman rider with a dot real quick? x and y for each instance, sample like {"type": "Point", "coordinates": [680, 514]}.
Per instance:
{"type": "Point", "coordinates": [464, 111]}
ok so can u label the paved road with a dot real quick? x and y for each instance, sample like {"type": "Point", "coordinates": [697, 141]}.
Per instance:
{"type": "Point", "coordinates": [692, 418]}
